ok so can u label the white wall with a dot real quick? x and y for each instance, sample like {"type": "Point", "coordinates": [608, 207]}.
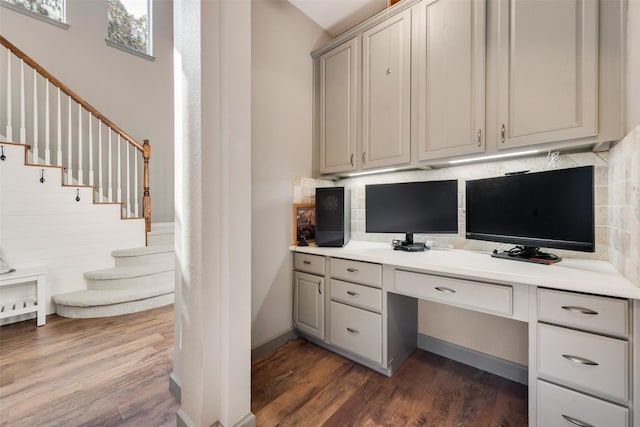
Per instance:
{"type": "Point", "coordinates": [42, 224]}
{"type": "Point", "coordinates": [135, 93]}
{"type": "Point", "coordinates": [633, 64]}
{"type": "Point", "coordinates": [282, 79]}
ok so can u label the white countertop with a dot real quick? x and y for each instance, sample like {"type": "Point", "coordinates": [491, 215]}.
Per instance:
{"type": "Point", "coordinates": [581, 275]}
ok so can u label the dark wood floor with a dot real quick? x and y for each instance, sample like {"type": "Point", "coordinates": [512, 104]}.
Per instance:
{"type": "Point", "coordinates": [304, 385]}
{"type": "Point", "coordinates": [114, 372]}
{"type": "Point", "coordinates": [88, 372]}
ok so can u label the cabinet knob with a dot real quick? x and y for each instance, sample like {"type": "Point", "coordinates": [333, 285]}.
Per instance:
{"type": "Point", "coordinates": [353, 294]}
{"type": "Point", "coordinates": [319, 289]}
{"type": "Point", "coordinates": [479, 137]}
{"type": "Point", "coordinates": [581, 310]}
{"type": "Point", "coordinates": [445, 290]}
{"type": "Point", "coordinates": [352, 270]}
{"type": "Point", "coordinates": [576, 421]}
{"type": "Point", "coordinates": [306, 261]}
{"type": "Point", "coordinates": [352, 160]}
{"type": "Point", "coordinates": [502, 133]}
{"type": "Point", "coordinates": [353, 331]}
{"type": "Point", "coordinates": [364, 157]}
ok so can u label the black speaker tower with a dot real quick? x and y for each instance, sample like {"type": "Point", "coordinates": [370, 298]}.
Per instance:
{"type": "Point", "coordinates": [333, 216]}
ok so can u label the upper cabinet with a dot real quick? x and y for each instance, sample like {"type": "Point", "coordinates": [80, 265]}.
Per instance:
{"type": "Point", "coordinates": [449, 78]}
{"type": "Point", "coordinates": [547, 71]}
{"type": "Point", "coordinates": [386, 92]}
{"type": "Point", "coordinates": [338, 111]}
{"type": "Point", "coordinates": [428, 81]}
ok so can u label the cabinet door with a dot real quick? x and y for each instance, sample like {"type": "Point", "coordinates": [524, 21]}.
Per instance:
{"type": "Point", "coordinates": [547, 71]}
{"type": "Point", "coordinates": [386, 92]}
{"type": "Point", "coordinates": [449, 50]}
{"type": "Point", "coordinates": [339, 76]}
{"type": "Point", "coordinates": [308, 304]}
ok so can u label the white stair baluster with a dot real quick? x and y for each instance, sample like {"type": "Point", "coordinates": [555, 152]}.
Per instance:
{"type": "Point", "coordinates": [9, 119]}
{"type": "Point", "coordinates": [69, 147]}
{"type": "Point", "coordinates": [100, 187]}
{"type": "Point", "coordinates": [80, 171]}
{"type": "Point", "coordinates": [136, 161]}
{"type": "Point", "coordinates": [47, 125]}
{"type": "Point", "coordinates": [36, 155]}
{"type": "Point", "coordinates": [90, 151]}
{"type": "Point", "coordinates": [119, 172]}
{"type": "Point", "coordinates": [129, 193]}
{"type": "Point", "coordinates": [59, 133]}
{"type": "Point", "coordinates": [23, 128]}
{"type": "Point", "coordinates": [110, 168]}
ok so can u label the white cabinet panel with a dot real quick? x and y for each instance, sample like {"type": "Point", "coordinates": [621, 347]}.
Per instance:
{"type": "Point", "coordinates": [589, 312]}
{"type": "Point", "coordinates": [591, 362]}
{"type": "Point", "coordinates": [547, 71]}
{"type": "Point", "coordinates": [339, 78]}
{"type": "Point", "coordinates": [357, 271]}
{"type": "Point", "coordinates": [308, 304]}
{"type": "Point", "coordinates": [356, 330]}
{"type": "Point", "coordinates": [386, 92]}
{"type": "Point", "coordinates": [449, 50]}
{"type": "Point", "coordinates": [557, 406]}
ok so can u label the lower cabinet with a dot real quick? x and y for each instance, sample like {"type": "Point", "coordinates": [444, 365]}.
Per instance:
{"type": "Point", "coordinates": [356, 330]}
{"type": "Point", "coordinates": [308, 304]}
{"type": "Point", "coordinates": [584, 376]}
{"type": "Point", "coordinates": [561, 407]}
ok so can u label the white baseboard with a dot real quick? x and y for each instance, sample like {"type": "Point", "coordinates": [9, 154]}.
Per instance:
{"type": "Point", "coordinates": [485, 362]}
{"type": "Point", "coordinates": [174, 387]}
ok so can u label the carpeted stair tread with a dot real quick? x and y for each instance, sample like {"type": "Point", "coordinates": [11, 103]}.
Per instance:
{"type": "Point", "coordinates": [116, 273]}
{"type": "Point", "coordinates": [142, 251]}
{"type": "Point", "coordinates": [91, 298]}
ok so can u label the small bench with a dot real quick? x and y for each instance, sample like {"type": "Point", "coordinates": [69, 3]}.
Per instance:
{"type": "Point", "coordinates": [21, 277]}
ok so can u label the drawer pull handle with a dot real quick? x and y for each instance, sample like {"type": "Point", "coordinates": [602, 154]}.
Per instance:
{"type": "Point", "coordinates": [353, 294]}
{"type": "Point", "coordinates": [580, 360]}
{"type": "Point", "coordinates": [581, 310]}
{"type": "Point", "coordinates": [353, 331]}
{"type": "Point", "coordinates": [352, 270]}
{"type": "Point", "coordinates": [306, 261]}
{"type": "Point", "coordinates": [445, 290]}
{"type": "Point", "coordinates": [576, 421]}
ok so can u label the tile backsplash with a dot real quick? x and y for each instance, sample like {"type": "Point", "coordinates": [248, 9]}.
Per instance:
{"type": "Point", "coordinates": [617, 200]}
{"type": "Point", "coordinates": [624, 206]}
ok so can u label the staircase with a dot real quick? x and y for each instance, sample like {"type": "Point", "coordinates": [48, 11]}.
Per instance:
{"type": "Point", "coordinates": [143, 278]}
{"type": "Point", "coordinates": [72, 199]}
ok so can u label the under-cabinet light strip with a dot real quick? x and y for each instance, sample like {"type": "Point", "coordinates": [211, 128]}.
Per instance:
{"type": "Point", "coordinates": [495, 156]}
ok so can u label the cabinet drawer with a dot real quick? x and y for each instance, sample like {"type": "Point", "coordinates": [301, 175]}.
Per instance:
{"type": "Point", "coordinates": [587, 361]}
{"type": "Point", "coordinates": [357, 271]}
{"type": "Point", "coordinates": [558, 405]}
{"type": "Point", "coordinates": [358, 331]}
{"type": "Point", "coordinates": [589, 312]}
{"type": "Point", "coordinates": [359, 295]}
{"type": "Point", "coordinates": [309, 263]}
{"type": "Point", "coordinates": [474, 295]}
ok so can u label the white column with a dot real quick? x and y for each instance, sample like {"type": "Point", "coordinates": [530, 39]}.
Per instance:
{"type": "Point", "coordinates": [213, 79]}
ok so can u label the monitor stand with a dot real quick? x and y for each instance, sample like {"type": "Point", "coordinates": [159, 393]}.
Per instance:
{"type": "Point", "coordinates": [527, 254]}
{"type": "Point", "coordinates": [408, 245]}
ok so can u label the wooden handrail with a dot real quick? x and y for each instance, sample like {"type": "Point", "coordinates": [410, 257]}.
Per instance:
{"type": "Point", "coordinates": [145, 148]}
{"type": "Point", "coordinates": [33, 64]}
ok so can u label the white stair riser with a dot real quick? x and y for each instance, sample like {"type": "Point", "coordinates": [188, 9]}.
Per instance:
{"type": "Point", "coordinates": [141, 282]}
{"type": "Point", "coordinates": [163, 258]}
{"type": "Point", "coordinates": [115, 309]}
{"type": "Point", "coordinates": [157, 239]}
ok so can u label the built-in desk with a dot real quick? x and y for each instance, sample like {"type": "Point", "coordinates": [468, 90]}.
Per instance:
{"type": "Point", "coordinates": [583, 315]}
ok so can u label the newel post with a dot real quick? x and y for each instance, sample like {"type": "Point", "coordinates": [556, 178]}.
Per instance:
{"type": "Point", "coordinates": [146, 198]}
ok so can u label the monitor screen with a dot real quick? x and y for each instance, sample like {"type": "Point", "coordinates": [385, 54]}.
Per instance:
{"type": "Point", "coordinates": [551, 209]}
{"type": "Point", "coordinates": [429, 207]}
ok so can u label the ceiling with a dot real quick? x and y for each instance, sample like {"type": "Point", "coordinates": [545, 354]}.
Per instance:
{"type": "Point", "coordinates": [337, 16]}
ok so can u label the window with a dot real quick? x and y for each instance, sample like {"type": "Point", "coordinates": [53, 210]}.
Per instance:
{"type": "Point", "coordinates": [52, 9]}
{"type": "Point", "coordinates": [129, 25]}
